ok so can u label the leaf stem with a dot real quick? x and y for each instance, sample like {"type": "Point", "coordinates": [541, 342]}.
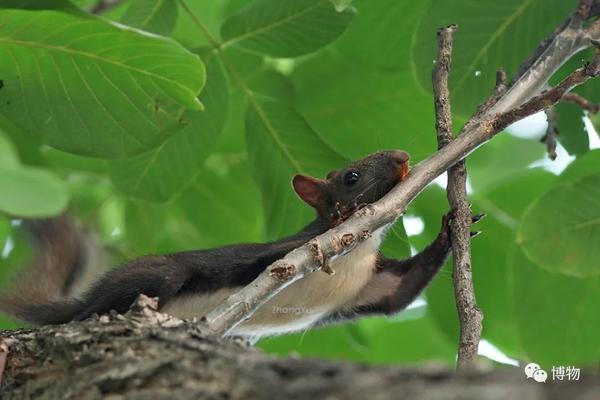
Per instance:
{"type": "Point", "coordinates": [211, 39]}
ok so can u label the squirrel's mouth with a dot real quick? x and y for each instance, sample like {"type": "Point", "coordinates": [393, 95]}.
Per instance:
{"type": "Point", "coordinates": [403, 171]}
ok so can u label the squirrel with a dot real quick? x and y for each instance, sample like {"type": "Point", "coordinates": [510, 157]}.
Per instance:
{"type": "Point", "coordinates": [191, 283]}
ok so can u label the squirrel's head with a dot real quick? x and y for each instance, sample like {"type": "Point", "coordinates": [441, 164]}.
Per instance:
{"type": "Point", "coordinates": [361, 182]}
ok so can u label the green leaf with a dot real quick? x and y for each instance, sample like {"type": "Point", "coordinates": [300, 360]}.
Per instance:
{"type": "Point", "coordinates": [145, 227]}
{"type": "Point", "coordinates": [285, 28]}
{"type": "Point", "coordinates": [341, 5]}
{"type": "Point", "coordinates": [595, 119]}
{"type": "Point", "coordinates": [31, 192]}
{"type": "Point", "coordinates": [27, 146]}
{"type": "Point", "coordinates": [557, 316]}
{"type": "Point", "coordinates": [157, 16]}
{"type": "Point", "coordinates": [587, 164]}
{"type": "Point", "coordinates": [28, 191]}
{"type": "Point", "coordinates": [4, 230]}
{"type": "Point", "coordinates": [356, 116]}
{"type": "Point", "coordinates": [572, 133]}
{"type": "Point", "coordinates": [8, 152]}
{"type": "Point", "coordinates": [396, 243]}
{"type": "Point", "coordinates": [89, 87]}
{"type": "Point", "coordinates": [230, 204]}
{"type": "Point", "coordinates": [160, 174]}
{"type": "Point", "coordinates": [381, 33]}
{"type": "Point", "coordinates": [491, 35]}
{"type": "Point", "coordinates": [280, 145]}
{"type": "Point", "coordinates": [502, 159]}
{"type": "Point", "coordinates": [559, 231]}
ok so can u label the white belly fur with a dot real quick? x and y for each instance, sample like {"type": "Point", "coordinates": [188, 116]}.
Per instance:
{"type": "Point", "coordinates": [302, 303]}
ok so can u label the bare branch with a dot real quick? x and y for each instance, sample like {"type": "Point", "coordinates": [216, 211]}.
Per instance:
{"type": "Point", "coordinates": [441, 70]}
{"type": "Point", "coordinates": [470, 315]}
{"type": "Point", "coordinates": [566, 40]}
{"type": "Point", "coordinates": [551, 136]}
{"type": "Point", "coordinates": [522, 99]}
{"type": "Point", "coordinates": [550, 97]}
{"type": "Point", "coordinates": [582, 102]}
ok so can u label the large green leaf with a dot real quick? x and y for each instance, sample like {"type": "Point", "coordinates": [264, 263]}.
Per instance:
{"type": "Point", "coordinates": [222, 196]}
{"type": "Point", "coordinates": [31, 192]}
{"type": "Point", "coordinates": [285, 28]}
{"type": "Point", "coordinates": [557, 316]}
{"type": "Point", "coordinates": [381, 33]}
{"type": "Point", "coordinates": [90, 87]}
{"type": "Point", "coordinates": [587, 164]}
{"type": "Point", "coordinates": [160, 174]}
{"type": "Point", "coordinates": [8, 152]}
{"type": "Point", "coordinates": [225, 189]}
{"type": "Point", "coordinates": [280, 145]}
{"type": "Point", "coordinates": [158, 16]}
{"type": "Point", "coordinates": [560, 230]}
{"type": "Point", "coordinates": [492, 34]}
{"type": "Point", "coordinates": [357, 110]}
{"type": "Point", "coordinates": [502, 159]}
{"type": "Point", "coordinates": [28, 191]}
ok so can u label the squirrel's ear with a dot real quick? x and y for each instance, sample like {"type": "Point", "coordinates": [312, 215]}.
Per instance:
{"type": "Point", "coordinates": [308, 188]}
{"type": "Point", "coordinates": [332, 174]}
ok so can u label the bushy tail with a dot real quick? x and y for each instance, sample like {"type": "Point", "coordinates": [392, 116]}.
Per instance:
{"type": "Point", "coordinates": [39, 293]}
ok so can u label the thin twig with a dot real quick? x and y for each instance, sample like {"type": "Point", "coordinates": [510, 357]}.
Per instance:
{"type": "Point", "coordinates": [441, 70]}
{"type": "Point", "coordinates": [582, 102]}
{"type": "Point", "coordinates": [470, 315]}
{"type": "Point", "coordinates": [549, 97]}
{"type": "Point", "coordinates": [551, 136]}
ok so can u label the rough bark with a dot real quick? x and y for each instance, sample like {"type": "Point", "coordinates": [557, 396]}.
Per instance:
{"type": "Point", "coordinates": [147, 355]}
{"type": "Point", "coordinates": [469, 314]}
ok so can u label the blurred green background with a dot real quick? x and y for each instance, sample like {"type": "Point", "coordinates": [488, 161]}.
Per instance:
{"type": "Point", "coordinates": [101, 120]}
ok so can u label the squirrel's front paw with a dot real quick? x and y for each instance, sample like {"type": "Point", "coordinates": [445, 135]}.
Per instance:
{"type": "Point", "coordinates": [444, 237]}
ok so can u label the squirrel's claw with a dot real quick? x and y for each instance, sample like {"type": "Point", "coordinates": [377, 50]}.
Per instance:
{"type": "Point", "coordinates": [447, 220]}
{"type": "Point", "coordinates": [477, 217]}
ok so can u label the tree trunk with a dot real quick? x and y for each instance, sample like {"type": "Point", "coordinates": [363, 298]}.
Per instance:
{"type": "Point", "coordinates": [148, 355]}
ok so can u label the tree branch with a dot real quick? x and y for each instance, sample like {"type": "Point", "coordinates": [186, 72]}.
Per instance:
{"type": "Point", "coordinates": [516, 103]}
{"type": "Point", "coordinates": [149, 355]}
{"type": "Point", "coordinates": [582, 102]}
{"type": "Point", "coordinates": [567, 39]}
{"type": "Point", "coordinates": [551, 136]}
{"type": "Point", "coordinates": [470, 315]}
{"type": "Point", "coordinates": [441, 93]}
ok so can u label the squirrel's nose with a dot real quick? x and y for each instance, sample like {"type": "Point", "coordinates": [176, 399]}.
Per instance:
{"type": "Point", "coordinates": [400, 157]}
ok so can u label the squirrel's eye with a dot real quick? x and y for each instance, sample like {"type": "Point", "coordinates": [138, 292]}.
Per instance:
{"type": "Point", "coordinates": [351, 177]}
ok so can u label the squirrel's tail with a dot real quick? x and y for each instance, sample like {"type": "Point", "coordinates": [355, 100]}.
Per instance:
{"type": "Point", "coordinates": [39, 293]}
